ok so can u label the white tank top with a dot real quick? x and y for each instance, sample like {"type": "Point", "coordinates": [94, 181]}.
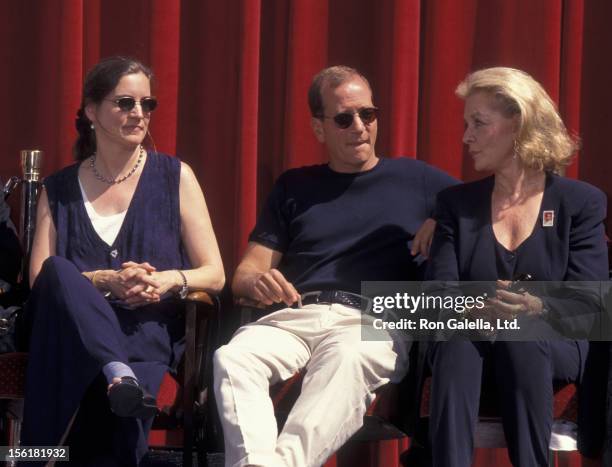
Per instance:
{"type": "Point", "coordinates": [107, 227]}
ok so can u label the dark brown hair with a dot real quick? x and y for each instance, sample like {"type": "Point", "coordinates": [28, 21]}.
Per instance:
{"type": "Point", "coordinates": [99, 82]}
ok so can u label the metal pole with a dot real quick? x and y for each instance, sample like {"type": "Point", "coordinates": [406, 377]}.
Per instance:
{"type": "Point", "coordinates": [31, 163]}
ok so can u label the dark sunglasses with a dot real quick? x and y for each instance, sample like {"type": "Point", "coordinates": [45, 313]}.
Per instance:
{"type": "Point", "coordinates": [343, 120]}
{"type": "Point", "coordinates": [127, 103]}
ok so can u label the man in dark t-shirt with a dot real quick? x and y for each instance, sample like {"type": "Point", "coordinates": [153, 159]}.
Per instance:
{"type": "Point", "coordinates": [323, 230]}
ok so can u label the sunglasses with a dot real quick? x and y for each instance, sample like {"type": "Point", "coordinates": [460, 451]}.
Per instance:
{"type": "Point", "coordinates": [343, 120]}
{"type": "Point", "coordinates": [127, 103]}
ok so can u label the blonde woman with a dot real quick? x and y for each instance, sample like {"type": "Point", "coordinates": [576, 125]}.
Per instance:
{"type": "Point", "coordinates": [525, 218]}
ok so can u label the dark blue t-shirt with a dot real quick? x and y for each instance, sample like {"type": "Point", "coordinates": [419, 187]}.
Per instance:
{"type": "Point", "coordinates": [336, 230]}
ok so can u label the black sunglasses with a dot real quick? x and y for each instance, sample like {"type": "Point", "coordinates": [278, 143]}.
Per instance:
{"type": "Point", "coordinates": [127, 103]}
{"type": "Point", "coordinates": [343, 120]}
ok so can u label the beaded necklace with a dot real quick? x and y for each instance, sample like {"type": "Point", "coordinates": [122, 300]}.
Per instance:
{"type": "Point", "coordinates": [115, 181]}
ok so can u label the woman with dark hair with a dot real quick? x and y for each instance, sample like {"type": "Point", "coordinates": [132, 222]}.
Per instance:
{"type": "Point", "coordinates": [523, 219]}
{"type": "Point", "coordinates": [118, 234]}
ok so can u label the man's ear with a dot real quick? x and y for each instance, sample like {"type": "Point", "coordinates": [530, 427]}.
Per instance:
{"type": "Point", "coordinates": [317, 127]}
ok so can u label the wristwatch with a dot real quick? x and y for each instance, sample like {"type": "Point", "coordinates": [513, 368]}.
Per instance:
{"type": "Point", "coordinates": [184, 290]}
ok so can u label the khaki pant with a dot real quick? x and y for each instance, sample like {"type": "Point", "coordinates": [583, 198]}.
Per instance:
{"type": "Point", "coordinates": [343, 371]}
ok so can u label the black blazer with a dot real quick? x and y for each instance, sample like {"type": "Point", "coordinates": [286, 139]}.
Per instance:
{"type": "Point", "coordinates": [573, 248]}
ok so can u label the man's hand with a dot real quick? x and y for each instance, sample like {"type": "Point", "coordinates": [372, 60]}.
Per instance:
{"type": "Point", "coordinates": [272, 287]}
{"type": "Point", "coordinates": [423, 237]}
{"type": "Point", "coordinates": [257, 282]}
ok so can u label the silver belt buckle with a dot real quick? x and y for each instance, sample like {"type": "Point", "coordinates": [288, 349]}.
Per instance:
{"type": "Point", "coordinates": [302, 297]}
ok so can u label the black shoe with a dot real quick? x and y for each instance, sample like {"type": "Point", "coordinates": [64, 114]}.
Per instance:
{"type": "Point", "coordinates": [128, 399]}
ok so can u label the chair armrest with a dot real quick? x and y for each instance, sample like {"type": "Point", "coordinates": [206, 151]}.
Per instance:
{"type": "Point", "coordinates": [205, 305]}
{"type": "Point", "coordinates": [201, 297]}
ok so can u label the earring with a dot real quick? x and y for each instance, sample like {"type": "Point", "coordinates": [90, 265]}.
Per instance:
{"type": "Point", "coordinates": [515, 152]}
{"type": "Point", "coordinates": [92, 127]}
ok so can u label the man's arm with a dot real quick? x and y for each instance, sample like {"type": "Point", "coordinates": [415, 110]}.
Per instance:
{"type": "Point", "coordinates": [435, 180]}
{"type": "Point", "coordinates": [423, 238]}
{"type": "Point", "coordinates": [443, 264]}
{"type": "Point", "coordinates": [257, 279]}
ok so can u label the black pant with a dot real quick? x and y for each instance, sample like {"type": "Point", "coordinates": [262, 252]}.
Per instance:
{"type": "Point", "coordinates": [523, 373]}
{"type": "Point", "coordinates": [75, 332]}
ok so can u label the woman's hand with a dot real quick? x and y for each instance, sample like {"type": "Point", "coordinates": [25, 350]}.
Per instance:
{"type": "Point", "coordinates": [133, 283]}
{"type": "Point", "coordinates": [517, 303]}
{"type": "Point", "coordinates": [167, 281]}
{"type": "Point", "coordinates": [151, 287]}
{"type": "Point", "coordinates": [144, 288]}
{"type": "Point", "coordinates": [508, 305]}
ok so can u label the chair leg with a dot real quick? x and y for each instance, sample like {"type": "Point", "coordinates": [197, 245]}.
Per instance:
{"type": "Point", "coordinates": [15, 428]}
{"type": "Point", "coordinates": [200, 339]}
{"type": "Point", "coordinates": [13, 421]}
{"type": "Point", "coordinates": [202, 438]}
{"type": "Point", "coordinates": [206, 435]}
{"type": "Point", "coordinates": [212, 435]}
{"type": "Point", "coordinates": [188, 384]}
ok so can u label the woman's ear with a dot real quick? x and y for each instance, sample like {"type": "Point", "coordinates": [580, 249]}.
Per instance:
{"type": "Point", "coordinates": [90, 112]}
{"type": "Point", "coordinates": [516, 124]}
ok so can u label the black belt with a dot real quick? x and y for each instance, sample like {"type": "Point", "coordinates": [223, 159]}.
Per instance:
{"type": "Point", "coordinates": [329, 297]}
{"type": "Point", "coordinates": [337, 296]}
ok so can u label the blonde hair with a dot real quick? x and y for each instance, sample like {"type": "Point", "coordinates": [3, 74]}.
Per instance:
{"type": "Point", "coordinates": [543, 142]}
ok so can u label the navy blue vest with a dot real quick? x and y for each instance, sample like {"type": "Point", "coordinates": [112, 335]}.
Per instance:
{"type": "Point", "coordinates": [151, 230]}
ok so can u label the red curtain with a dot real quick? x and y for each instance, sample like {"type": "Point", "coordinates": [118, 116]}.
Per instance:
{"type": "Point", "coordinates": [232, 79]}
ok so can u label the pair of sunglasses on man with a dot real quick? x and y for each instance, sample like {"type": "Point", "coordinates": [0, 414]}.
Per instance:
{"type": "Point", "coordinates": [343, 120]}
{"type": "Point", "coordinates": [127, 103]}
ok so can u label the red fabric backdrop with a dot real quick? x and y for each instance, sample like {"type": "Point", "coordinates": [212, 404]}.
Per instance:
{"type": "Point", "coordinates": [232, 79]}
